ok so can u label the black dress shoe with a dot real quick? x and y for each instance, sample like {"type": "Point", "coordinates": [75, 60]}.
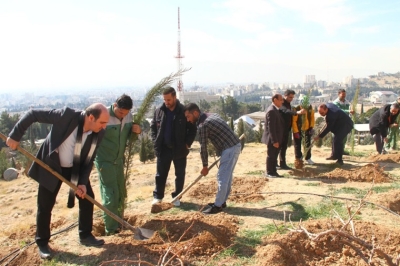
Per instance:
{"type": "Point", "coordinates": [339, 162]}
{"type": "Point", "coordinates": [212, 209]}
{"type": "Point", "coordinates": [331, 158]}
{"type": "Point", "coordinates": [91, 241]}
{"type": "Point", "coordinates": [222, 206]}
{"type": "Point", "coordinates": [44, 252]}
{"type": "Point", "coordinates": [285, 167]}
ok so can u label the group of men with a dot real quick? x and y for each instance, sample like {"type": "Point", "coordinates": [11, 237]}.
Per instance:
{"type": "Point", "coordinates": [281, 118]}
{"type": "Point", "coordinates": [99, 135]}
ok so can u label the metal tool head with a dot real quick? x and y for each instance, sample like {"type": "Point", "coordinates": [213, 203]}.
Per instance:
{"type": "Point", "coordinates": [143, 234]}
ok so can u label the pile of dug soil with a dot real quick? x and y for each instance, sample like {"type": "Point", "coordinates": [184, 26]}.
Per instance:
{"type": "Point", "coordinates": [367, 173]}
{"type": "Point", "coordinates": [191, 236]}
{"type": "Point", "coordinates": [390, 200]}
{"type": "Point", "coordinates": [385, 158]}
{"type": "Point", "coordinates": [244, 189]}
{"type": "Point", "coordinates": [296, 248]}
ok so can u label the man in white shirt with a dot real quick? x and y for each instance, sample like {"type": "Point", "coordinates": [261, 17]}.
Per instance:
{"type": "Point", "coordinates": [69, 149]}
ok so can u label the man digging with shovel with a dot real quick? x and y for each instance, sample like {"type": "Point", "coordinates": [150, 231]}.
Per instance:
{"type": "Point", "coordinates": [69, 149]}
{"type": "Point", "coordinates": [227, 145]}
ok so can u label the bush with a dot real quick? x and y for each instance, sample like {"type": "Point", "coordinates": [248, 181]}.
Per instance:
{"type": "Point", "coordinates": [367, 140]}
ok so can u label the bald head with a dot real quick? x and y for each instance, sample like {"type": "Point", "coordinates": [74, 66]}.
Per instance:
{"type": "Point", "coordinates": [323, 109]}
{"type": "Point", "coordinates": [96, 118]}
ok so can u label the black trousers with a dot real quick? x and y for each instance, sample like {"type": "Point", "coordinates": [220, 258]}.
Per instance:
{"type": "Point", "coordinates": [338, 147]}
{"type": "Point", "coordinates": [45, 202]}
{"type": "Point", "coordinates": [379, 142]}
{"type": "Point", "coordinates": [283, 147]}
{"type": "Point", "coordinates": [272, 159]}
{"type": "Point", "coordinates": [164, 161]}
{"type": "Point", "coordinates": [297, 146]}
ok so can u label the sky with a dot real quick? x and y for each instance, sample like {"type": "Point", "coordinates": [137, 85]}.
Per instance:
{"type": "Point", "coordinates": [78, 44]}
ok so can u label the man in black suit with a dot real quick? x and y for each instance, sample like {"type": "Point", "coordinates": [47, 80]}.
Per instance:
{"type": "Point", "coordinates": [379, 123]}
{"type": "Point", "coordinates": [69, 149]}
{"type": "Point", "coordinates": [273, 134]}
{"type": "Point", "coordinates": [337, 122]}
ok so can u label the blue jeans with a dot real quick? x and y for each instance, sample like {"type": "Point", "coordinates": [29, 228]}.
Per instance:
{"type": "Point", "coordinates": [228, 162]}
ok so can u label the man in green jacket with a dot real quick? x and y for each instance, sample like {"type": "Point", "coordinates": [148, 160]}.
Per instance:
{"type": "Point", "coordinates": [110, 160]}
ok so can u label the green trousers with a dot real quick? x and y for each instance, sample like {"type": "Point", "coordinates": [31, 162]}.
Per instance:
{"type": "Point", "coordinates": [392, 138]}
{"type": "Point", "coordinates": [113, 191]}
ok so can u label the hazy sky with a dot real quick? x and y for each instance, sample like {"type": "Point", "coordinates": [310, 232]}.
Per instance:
{"type": "Point", "coordinates": [94, 43]}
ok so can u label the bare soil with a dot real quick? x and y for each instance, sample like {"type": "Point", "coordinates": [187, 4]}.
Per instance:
{"type": "Point", "coordinates": [185, 235]}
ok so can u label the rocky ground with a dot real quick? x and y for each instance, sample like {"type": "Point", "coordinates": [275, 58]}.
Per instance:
{"type": "Point", "coordinates": [239, 235]}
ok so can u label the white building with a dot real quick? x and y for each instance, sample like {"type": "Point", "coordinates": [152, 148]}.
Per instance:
{"type": "Point", "coordinates": [382, 97]}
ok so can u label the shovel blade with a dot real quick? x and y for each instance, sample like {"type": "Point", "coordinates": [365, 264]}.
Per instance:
{"type": "Point", "coordinates": [143, 233]}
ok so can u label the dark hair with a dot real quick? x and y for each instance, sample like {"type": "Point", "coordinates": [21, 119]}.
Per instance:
{"type": "Point", "coordinates": [288, 92]}
{"type": "Point", "coordinates": [341, 90]}
{"type": "Point", "coordinates": [94, 110]}
{"type": "Point", "coordinates": [124, 102]}
{"type": "Point", "coordinates": [191, 107]}
{"type": "Point", "coordinates": [169, 90]}
{"type": "Point", "coordinates": [276, 96]}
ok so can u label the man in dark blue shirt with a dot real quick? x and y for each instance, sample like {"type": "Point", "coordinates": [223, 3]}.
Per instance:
{"type": "Point", "coordinates": [172, 136]}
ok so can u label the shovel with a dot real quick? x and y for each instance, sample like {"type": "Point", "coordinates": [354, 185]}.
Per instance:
{"type": "Point", "coordinates": [139, 233]}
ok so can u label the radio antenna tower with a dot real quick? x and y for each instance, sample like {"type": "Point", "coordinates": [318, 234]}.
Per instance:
{"type": "Point", "coordinates": [180, 94]}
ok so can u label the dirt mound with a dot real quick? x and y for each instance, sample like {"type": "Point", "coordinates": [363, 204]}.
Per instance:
{"type": "Point", "coordinates": [385, 158]}
{"type": "Point", "coordinates": [367, 173]}
{"type": "Point", "coordinates": [244, 189]}
{"type": "Point", "coordinates": [296, 248]}
{"type": "Point", "coordinates": [191, 236]}
{"type": "Point", "coordinates": [390, 200]}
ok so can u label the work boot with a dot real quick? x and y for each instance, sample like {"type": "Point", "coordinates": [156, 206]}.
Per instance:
{"type": "Point", "coordinates": [44, 252]}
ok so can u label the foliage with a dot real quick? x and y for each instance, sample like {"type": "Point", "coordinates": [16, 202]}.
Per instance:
{"type": "Point", "coordinates": [259, 133]}
{"type": "Point", "coordinates": [204, 106]}
{"type": "Point", "coordinates": [231, 107]}
{"type": "Point", "coordinates": [146, 152]}
{"type": "Point", "coordinates": [4, 163]}
{"type": "Point", "coordinates": [246, 108]}
{"type": "Point", "coordinates": [231, 125]}
{"type": "Point", "coordinates": [240, 127]}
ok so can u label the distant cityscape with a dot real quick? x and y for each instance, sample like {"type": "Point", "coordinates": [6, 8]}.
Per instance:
{"type": "Point", "coordinates": [383, 88]}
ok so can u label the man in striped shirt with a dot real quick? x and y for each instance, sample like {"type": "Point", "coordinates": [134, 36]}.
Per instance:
{"type": "Point", "coordinates": [227, 145]}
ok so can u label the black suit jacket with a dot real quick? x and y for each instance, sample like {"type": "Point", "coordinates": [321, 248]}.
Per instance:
{"type": "Point", "coordinates": [274, 126]}
{"type": "Point", "coordinates": [336, 121]}
{"type": "Point", "coordinates": [379, 121]}
{"type": "Point", "coordinates": [64, 121]}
